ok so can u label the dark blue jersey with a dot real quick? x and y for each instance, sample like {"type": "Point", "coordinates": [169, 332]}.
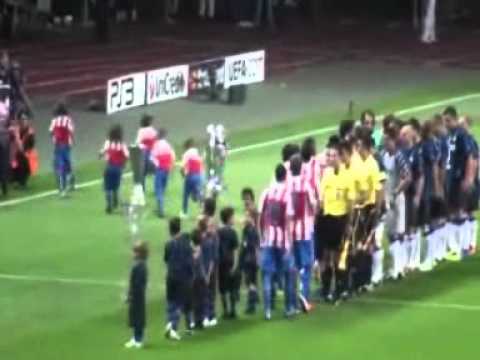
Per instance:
{"type": "Point", "coordinates": [227, 245]}
{"type": "Point", "coordinates": [179, 259]}
{"type": "Point", "coordinates": [443, 145]}
{"type": "Point", "coordinates": [210, 250]}
{"type": "Point", "coordinates": [476, 156]}
{"type": "Point", "coordinates": [431, 156]}
{"type": "Point", "coordinates": [461, 146]}
{"type": "Point", "coordinates": [138, 282]}
{"type": "Point", "coordinates": [136, 294]}
{"type": "Point", "coordinates": [250, 245]}
{"type": "Point", "coordinates": [414, 156]}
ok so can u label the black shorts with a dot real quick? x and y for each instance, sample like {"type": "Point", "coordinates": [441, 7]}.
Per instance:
{"type": "Point", "coordinates": [424, 211]}
{"type": "Point", "coordinates": [227, 281]}
{"type": "Point", "coordinates": [411, 212]}
{"type": "Point", "coordinates": [179, 291]}
{"type": "Point", "coordinates": [333, 231]}
{"type": "Point", "coordinates": [473, 199]}
{"type": "Point", "coordinates": [250, 272]}
{"type": "Point", "coordinates": [457, 198]}
{"type": "Point", "coordinates": [438, 209]}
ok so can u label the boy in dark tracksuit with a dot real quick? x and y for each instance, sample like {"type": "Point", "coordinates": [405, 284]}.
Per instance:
{"type": "Point", "coordinates": [209, 255]}
{"type": "Point", "coordinates": [249, 258]}
{"type": "Point", "coordinates": [199, 293]}
{"type": "Point", "coordinates": [136, 295]}
{"type": "Point", "coordinates": [179, 260]}
{"type": "Point", "coordinates": [228, 275]}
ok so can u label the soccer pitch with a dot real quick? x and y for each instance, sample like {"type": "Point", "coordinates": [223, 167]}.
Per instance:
{"type": "Point", "coordinates": [64, 264]}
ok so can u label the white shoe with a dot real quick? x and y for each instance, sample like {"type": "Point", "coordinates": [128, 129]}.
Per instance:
{"type": "Point", "coordinates": [183, 215]}
{"type": "Point", "coordinates": [213, 322]}
{"type": "Point", "coordinates": [133, 344]}
{"type": "Point", "coordinates": [173, 335]}
{"type": "Point", "coordinates": [268, 315]}
{"type": "Point", "coordinates": [426, 267]}
{"type": "Point", "coordinates": [206, 323]}
{"type": "Point", "coordinates": [168, 328]}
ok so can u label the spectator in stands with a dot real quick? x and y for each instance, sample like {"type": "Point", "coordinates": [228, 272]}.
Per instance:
{"type": "Point", "coordinates": [24, 157]}
{"type": "Point", "coordinates": [4, 143]}
{"type": "Point", "coordinates": [171, 7]}
{"type": "Point", "coordinates": [6, 15]}
{"type": "Point", "coordinates": [27, 136]}
{"type": "Point", "coordinates": [244, 12]}
{"type": "Point", "coordinates": [102, 15]}
{"type": "Point", "coordinates": [12, 84]}
{"type": "Point", "coordinates": [265, 9]}
{"type": "Point", "coordinates": [205, 5]}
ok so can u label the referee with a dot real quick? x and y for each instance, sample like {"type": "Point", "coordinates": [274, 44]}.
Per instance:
{"type": "Point", "coordinates": [337, 191]}
{"type": "Point", "coordinates": [368, 191]}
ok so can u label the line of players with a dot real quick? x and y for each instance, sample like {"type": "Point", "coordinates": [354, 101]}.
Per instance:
{"type": "Point", "coordinates": [421, 179]}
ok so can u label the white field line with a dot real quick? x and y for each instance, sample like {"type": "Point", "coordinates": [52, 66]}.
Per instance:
{"type": "Point", "coordinates": [416, 303]}
{"type": "Point", "coordinates": [121, 284]}
{"type": "Point", "coordinates": [60, 280]}
{"type": "Point", "coordinates": [324, 130]}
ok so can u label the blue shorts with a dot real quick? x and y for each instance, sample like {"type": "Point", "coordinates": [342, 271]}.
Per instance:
{"type": "Point", "coordinates": [303, 252]}
{"type": "Point", "coordinates": [275, 260]}
{"type": "Point", "coordinates": [148, 166]}
{"type": "Point", "coordinates": [61, 158]}
{"type": "Point", "coordinates": [112, 177]}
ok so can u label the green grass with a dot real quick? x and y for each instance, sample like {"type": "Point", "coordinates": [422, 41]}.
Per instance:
{"type": "Point", "coordinates": [73, 238]}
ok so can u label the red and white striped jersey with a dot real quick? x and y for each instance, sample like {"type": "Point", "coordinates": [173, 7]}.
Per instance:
{"type": "Point", "coordinates": [273, 208]}
{"type": "Point", "coordinates": [192, 162]}
{"type": "Point", "coordinates": [313, 171]}
{"type": "Point", "coordinates": [163, 155]}
{"type": "Point", "coordinates": [116, 153]}
{"type": "Point", "coordinates": [286, 164]}
{"type": "Point", "coordinates": [62, 130]}
{"type": "Point", "coordinates": [146, 137]}
{"type": "Point", "coordinates": [302, 208]}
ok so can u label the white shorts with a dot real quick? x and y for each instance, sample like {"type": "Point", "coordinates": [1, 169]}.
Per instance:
{"type": "Point", "coordinates": [396, 216]}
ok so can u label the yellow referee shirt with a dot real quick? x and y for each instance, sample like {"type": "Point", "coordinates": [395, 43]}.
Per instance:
{"type": "Point", "coordinates": [337, 191]}
{"type": "Point", "coordinates": [368, 179]}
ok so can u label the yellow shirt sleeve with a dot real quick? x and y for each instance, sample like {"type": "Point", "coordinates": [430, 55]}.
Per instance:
{"type": "Point", "coordinates": [324, 182]}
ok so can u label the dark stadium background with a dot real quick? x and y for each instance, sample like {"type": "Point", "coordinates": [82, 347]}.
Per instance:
{"type": "Point", "coordinates": [394, 9]}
